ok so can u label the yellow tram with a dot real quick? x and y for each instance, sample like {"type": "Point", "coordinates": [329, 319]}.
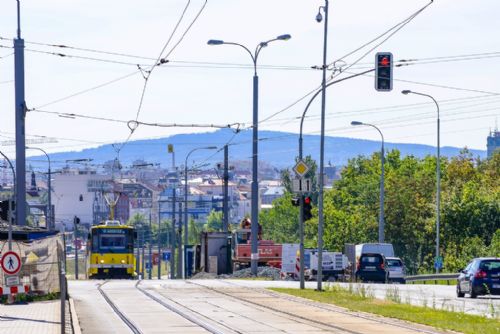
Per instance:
{"type": "Point", "coordinates": [110, 251]}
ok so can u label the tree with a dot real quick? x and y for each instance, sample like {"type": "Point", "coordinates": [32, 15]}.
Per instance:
{"type": "Point", "coordinates": [214, 221]}
{"type": "Point", "coordinates": [281, 222]}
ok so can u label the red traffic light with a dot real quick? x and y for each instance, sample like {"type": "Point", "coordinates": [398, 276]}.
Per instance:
{"type": "Point", "coordinates": [385, 61]}
{"type": "Point", "coordinates": [307, 200]}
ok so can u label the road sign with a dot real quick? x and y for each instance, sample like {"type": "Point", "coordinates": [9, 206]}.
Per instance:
{"type": "Point", "coordinates": [301, 168]}
{"type": "Point", "coordinates": [11, 263]}
{"type": "Point", "coordinates": [302, 185]}
{"type": "Point", "coordinates": [11, 280]}
{"type": "Point", "coordinates": [166, 256]}
{"type": "Point", "coordinates": [438, 262]}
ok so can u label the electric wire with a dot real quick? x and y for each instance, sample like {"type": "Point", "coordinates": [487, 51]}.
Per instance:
{"type": "Point", "coordinates": [160, 60]}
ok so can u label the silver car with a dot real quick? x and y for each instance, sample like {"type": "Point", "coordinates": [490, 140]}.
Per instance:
{"type": "Point", "coordinates": [396, 270]}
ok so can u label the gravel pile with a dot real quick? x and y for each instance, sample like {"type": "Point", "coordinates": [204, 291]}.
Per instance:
{"type": "Point", "coordinates": [266, 272]}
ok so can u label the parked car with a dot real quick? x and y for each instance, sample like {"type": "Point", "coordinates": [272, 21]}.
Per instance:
{"type": "Point", "coordinates": [397, 270]}
{"type": "Point", "coordinates": [480, 277]}
{"type": "Point", "coordinates": [372, 267]}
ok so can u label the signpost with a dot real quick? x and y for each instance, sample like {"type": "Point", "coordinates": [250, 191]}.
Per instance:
{"type": "Point", "coordinates": [11, 263]}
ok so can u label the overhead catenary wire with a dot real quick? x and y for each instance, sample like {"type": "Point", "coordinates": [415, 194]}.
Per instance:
{"type": "Point", "coordinates": [161, 60]}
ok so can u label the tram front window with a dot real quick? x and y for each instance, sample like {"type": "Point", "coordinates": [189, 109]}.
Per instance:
{"type": "Point", "coordinates": [112, 242]}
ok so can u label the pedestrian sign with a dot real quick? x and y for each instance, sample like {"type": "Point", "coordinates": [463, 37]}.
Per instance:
{"type": "Point", "coordinates": [11, 263]}
{"type": "Point", "coordinates": [166, 256]}
{"type": "Point", "coordinates": [301, 168]}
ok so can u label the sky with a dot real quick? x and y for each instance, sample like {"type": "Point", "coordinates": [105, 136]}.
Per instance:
{"type": "Point", "coordinates": [454, 42]}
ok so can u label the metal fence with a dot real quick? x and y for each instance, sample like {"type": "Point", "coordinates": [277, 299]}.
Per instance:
{"type": "Point", "coordinates": [41, 262]}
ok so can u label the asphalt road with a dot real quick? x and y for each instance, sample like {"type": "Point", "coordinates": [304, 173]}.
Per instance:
{"type": "Point", "coordinates": [217, 306]}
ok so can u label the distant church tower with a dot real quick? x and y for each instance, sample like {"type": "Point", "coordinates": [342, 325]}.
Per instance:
{"type": "Point", "coordinates": [493, 142]}
{"type": "Point", "coordinates": [33, 190]}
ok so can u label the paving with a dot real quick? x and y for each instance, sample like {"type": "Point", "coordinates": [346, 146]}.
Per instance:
{"type": "Point", "coordinates": [227, 308]}
{"type": "Point", "coordinates": [31, 318]}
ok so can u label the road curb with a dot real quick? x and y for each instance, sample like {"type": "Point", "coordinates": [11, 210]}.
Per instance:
{"type": "Point", "coordinates": [74, 317]}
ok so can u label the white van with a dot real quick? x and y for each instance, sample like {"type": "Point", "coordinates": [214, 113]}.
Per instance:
{"type": "Point", "coordinates": [385, 249]}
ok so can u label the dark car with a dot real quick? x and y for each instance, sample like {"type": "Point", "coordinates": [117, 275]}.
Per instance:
{"type": "Point", "coordinates": [372, 267]}
{"type": "Point", "coordinates": [480, 277]}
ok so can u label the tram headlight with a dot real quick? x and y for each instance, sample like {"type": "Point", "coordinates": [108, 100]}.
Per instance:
{"type": "Point", "coordinates": [102, 261]}
{"type": "Point", "coordinates": [123, 261]}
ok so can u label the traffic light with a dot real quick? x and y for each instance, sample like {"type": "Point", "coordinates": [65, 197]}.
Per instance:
{"type": "Point", "coordinates": [383, 71]}
{"type": "Point", "coordinates": [296, 201]}
{"type": "Point", "coordinates": [4, 210]}
{"type": "Point", "coordinates": [307, 208]}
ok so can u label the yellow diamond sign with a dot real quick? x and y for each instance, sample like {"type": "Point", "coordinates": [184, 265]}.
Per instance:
{"type": "Point", "coordinates": [301, 168]}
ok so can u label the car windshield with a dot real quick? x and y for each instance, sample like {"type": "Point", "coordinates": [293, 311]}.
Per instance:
{"type": "Point", "coordinates": [394, 263]}
{"type": "Point", "coordinates": [370, 259]}
{"type": "Point", "coordinates": [490, 266]}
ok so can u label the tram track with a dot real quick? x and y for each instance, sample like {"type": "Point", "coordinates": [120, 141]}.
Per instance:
{"type": "Point", "coordinates": [177, 310]}
{"type": "Point", "coordinates": [315, 305]}
{"type": "Point", "coordinates": [133, 327]}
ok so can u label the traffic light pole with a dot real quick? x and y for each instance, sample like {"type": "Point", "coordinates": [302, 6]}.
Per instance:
{"type": "Point", "coordinates": [225, 203]}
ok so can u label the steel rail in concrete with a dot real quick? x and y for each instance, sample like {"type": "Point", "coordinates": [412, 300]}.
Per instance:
{"type": "Point", "coordinates": [122, 316]}
{"type": "Point", "coordinates": [316, 305]}
{"type": "Point", "coordinates": [186, 316]}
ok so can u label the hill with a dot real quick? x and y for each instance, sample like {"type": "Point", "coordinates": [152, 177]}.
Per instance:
{"type": "Point", "coordinates": [275, 148]}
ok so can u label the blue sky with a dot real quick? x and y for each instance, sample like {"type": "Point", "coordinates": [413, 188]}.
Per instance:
{"type": "Point", "coordinates": [185, 91]}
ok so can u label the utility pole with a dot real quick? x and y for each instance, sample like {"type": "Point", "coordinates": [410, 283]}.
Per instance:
{"type": "Point", "coordinates": [150, 270]}
{"type": "Point", "coordinates": [138, 250]}
{"type": "Point", "coordinates": [76, 221]}
{"type": "Point", "coordinates": [142, 252]}
{"type": "Point", "coordinates": [159, 241]}
{"type": "Point", "coordinates": [180, 270]}
{"type": "Point", "coordinates": [173, 237]}
{"type": "Point", "coordinates": [225, 204]}
{"type": "Point", "coordinates": [20, 109]}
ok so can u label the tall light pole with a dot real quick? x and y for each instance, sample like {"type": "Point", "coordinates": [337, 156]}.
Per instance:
{"type": "Point", "coordinates": [255, 180]}
{"type": "Point", "coordinates": [319, 18]}
{"type": "Point", "coordinates": [20, 108]}
{"type": "Point", "coordinates": [50, 221]}
{"type": "Point", "coordinates": [438, 173]}
{"type": "Point", "coordinates": [381, 223]}
{"type": "Point", "coordinates": [11, 199]}
{"type": "Point", "coordinates": [186, 201]}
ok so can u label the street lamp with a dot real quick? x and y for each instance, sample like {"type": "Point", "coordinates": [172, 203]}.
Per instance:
{"type": "Point", "coordinates": [9, 236]}
{"type": "Point", "coordinates": [185, 202]}
{"type": "Point", "coordinates": [50, 224]}
{"type": "Point", "coordinates": [438, 174]}
{"type": "Point", "coordinates": [381, 223]}
{"type": "Point", "coordinates": [255, 180]}
{"type": "Point", "coordinates": [319, 17]}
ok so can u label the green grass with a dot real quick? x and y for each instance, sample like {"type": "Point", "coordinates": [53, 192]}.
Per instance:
{"type": "Point", "coordinates": [362, 301]}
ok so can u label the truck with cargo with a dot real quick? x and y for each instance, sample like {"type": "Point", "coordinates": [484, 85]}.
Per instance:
{"type": "Point", "coordinates": [241, 248]}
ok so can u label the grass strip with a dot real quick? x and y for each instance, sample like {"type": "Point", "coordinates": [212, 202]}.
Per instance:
{"type": "Point", "coordinates": [441, 319]}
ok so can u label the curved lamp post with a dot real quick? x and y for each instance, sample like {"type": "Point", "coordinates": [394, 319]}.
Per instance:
{"type": "Point", "coordinates": [438, 172]}
{"type": "Point", "coordinates": [186, 200]}
{"type": "Point", "coordinates": [10, 201]}
{"type": "Point", "coordinates": [255, 180]}
{"type": "Point", "coordinates": [50, 224]}
{"type": "Point", "coordinates": [381, 223]}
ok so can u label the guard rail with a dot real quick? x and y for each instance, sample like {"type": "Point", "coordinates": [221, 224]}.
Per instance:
{"type": "Point", "coordinates": [432, 277]}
